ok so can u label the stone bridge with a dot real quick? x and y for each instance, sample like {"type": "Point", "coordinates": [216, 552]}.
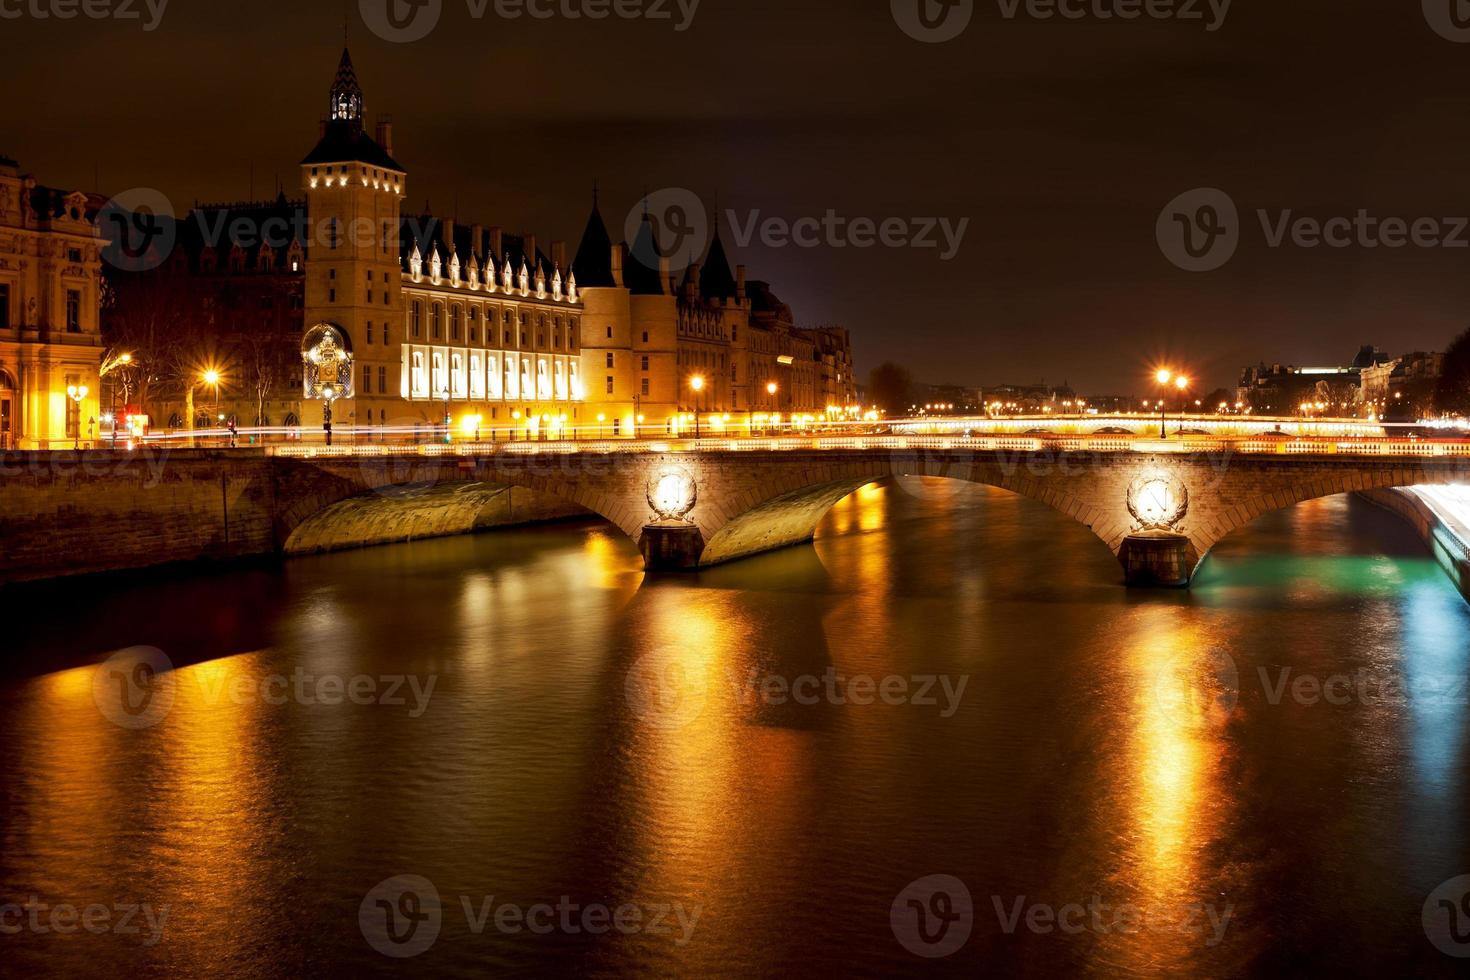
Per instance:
{"type": "Point", "coordinates": [64, 513]}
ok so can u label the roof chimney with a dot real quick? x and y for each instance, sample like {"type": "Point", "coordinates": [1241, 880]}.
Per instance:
{"type": "Point", "coordinates": [530, 246]}
{"type": "Point", "coordinates": [496, 242]}
{"type": "Point", "coordinates": [477, 240]}
{"type": "Point", "coordinates": [617, 266]}
{"type": "Point", "coordinates": [740, 283]}
{"type": "Point", "coordinates": [559, 254]}
{"type": "Point", "coordinates": [385, 134]}
{"type": "Point", "coordinates": [448, 235]}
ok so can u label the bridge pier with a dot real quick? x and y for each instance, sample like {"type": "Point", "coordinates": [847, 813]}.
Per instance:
{"type": "Point", "coordinates": [671, 546]}
{"type": "Point", "coordinates": [1156, 559]}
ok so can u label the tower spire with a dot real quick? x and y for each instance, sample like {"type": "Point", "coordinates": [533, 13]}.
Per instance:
{"type": "Point", "coordinates": [346, 103]}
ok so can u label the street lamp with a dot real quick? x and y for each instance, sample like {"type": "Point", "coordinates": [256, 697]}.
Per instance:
{"type": "Point", "coordinates": [697, 383]}
{"type": "Point", "coordinates": [108, 366]}
{"type": "Point", "coordinates": [329, 395]}
{"type": "Point", "coordinates": [448, 417]}
{"type": "Point", "coordinates": [1163, 377]}
{"type": "Point", "coordinates": [77, 393]}
{"type": "Point", "coordinates": [1182, 383]}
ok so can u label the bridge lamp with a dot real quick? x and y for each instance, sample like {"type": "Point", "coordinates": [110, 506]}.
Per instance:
{"type": "Point", "coordinates": [1164, 376]}
{"type": "Point", "coordinates": [697, 383]}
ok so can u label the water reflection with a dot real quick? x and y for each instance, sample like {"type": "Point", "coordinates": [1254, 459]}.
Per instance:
{"type": "Point", "coordinates": [596, 735]}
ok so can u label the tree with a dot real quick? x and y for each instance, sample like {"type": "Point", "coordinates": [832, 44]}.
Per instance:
{"type": "Point", "coordinates": [890, 388]}
{"type": "Point", "coordinates": [1452, 394]}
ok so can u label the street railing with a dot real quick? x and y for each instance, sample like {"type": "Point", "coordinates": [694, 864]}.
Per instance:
{"type": "Point", "coordinates": [1415, 448]}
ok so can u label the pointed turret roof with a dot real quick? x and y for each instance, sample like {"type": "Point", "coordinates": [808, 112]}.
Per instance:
{"type": "Point", "coordinates": [593, 264]}
{"type": "Point", "coordinates": [344, 140]}
{"type": "Point", "coordinates": [716, 281]}
{"type": "Point", "coordinates": [641, 272]}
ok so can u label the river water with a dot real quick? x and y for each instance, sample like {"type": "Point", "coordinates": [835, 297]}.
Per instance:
{"type": "Point", "coordinates": [945, 726]}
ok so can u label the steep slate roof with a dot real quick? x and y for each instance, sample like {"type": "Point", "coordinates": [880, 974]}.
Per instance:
{"type": "Point", "coordinates": [346, 143]}
{"type": "Point", "coordinates": [426, 231]}
{"type": "Point", "coordinates": [593, 264]}
{"type": "Point", "coordinates": [716, 281]}
{"type": "Point", "coordinates": [641, 263]}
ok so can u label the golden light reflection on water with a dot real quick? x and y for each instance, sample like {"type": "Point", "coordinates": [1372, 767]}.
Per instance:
{"type": "Point", "coordinates": [212, 808]}
{"type": "Point", "coordinates": [1171, 779]}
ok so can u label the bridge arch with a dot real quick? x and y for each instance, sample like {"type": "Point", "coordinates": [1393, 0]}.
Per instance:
{"type": "Point", "coordinates": [793, 502]}
{"type": "Point", "coordinates": [335, 504]}
{"type": "Point", "coordinates": [1279, 494]}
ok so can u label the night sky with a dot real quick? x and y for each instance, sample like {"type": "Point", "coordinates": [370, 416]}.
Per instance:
{"type": "Point", "coordinates": [1060, 141]}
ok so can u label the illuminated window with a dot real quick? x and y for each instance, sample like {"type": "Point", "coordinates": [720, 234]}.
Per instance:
{"type": "Point", "coordinates": [73, 311]}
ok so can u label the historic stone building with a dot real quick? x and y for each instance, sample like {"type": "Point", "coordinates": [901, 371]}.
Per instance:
{"type": "Point", "coordinates": [442, 320]}
{"type": "Point", "coordinates": [50, 296]}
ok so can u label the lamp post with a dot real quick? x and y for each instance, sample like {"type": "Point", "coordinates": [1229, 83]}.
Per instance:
{"type": "Point", "coordinates": [109, 366]}
{"type": "Point", "coordinates": [77, 393]}
{"type": "Point", "coordinates": [697, 383]}
{"type": "Point", "coordinates": [1163, 377]}
{"type": "Point", "coordinates": [329, 395]}
{"type": "Point", "coordinates": [771, 389]}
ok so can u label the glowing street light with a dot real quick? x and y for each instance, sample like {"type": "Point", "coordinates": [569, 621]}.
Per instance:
{"type": "Point", "coordinates": [78, 394]}
{"type": "Point", "coordinates": [696, 383]}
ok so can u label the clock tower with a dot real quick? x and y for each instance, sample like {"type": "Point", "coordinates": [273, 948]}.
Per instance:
{"type": "Point", "coordinates": [354, 193]}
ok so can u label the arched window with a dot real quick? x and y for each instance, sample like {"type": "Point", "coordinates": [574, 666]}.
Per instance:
{"type": "Point", "coordinates": [292, 421]}
{"type": "Point", "coordinates": [434, 320]}
{"type": "Point", "coordinates": [175, 422]}
{"type": "Point", "coordinates": [454, 317]}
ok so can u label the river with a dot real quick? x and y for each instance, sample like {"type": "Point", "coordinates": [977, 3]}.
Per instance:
{"type": "Point", "coordinates": [943, 726]}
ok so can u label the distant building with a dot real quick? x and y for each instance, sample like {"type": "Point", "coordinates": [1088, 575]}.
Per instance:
{"type": "Point", "coordinates": [229, 297]}
{"type": "Point", "coordinates": [1402, 389]}
{"type": "Point", "coordinates": [1034, 399]}
{"type": "Point", "coordinates": [50, 298]}
{"type": "Point", "coordinates": [1278, 389]}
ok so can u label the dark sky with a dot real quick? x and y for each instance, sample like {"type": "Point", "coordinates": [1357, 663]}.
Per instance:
{"type": "Point", "coordinates": [1061, 141]}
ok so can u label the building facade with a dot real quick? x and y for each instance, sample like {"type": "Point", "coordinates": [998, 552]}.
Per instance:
{"type": "Point", "coordinates": [434, 321]}
{"type": "Point", "coordinates": [50, 301]}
